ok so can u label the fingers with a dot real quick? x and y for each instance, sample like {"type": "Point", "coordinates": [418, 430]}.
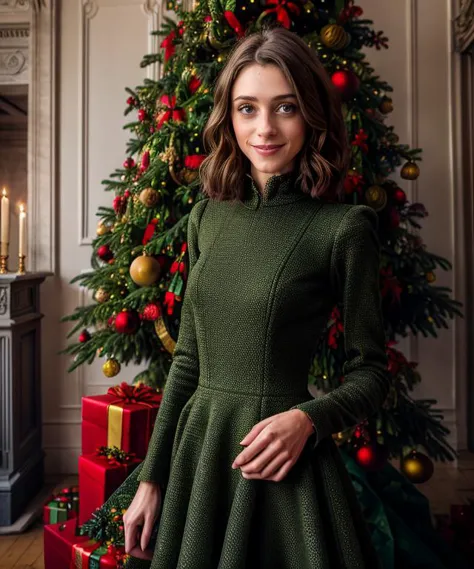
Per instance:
{"type": "Point", "coordinates": [131, 535]}
{"type": "Point", "coordinates": [146, 533]}
{"type": "Point", "coordinates": [139, 554]}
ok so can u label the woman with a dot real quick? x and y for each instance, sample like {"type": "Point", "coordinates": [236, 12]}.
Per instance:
{"type": "Point", "coordinates": [250, 475]}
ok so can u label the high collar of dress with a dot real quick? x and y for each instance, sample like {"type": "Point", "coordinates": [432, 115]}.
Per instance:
{"type": "Point", "coordinates": [279, 189]}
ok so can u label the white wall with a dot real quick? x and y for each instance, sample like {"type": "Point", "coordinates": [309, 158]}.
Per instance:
{"type": "Point", "coordinates": [421, 66]}
{"type": "Point", "coordinates": [100, 47]}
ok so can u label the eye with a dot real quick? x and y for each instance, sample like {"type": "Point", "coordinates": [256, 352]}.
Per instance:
{"type": "Point", "coordinates": [293, 107]}
{"type": "Point", "coordinates": [244, 107]}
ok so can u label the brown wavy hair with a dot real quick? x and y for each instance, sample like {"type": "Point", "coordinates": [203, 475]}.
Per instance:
{"type": "Point", "coordinates": [324, 158]}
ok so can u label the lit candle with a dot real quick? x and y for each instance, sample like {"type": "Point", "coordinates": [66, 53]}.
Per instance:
{"type": "Point", "coordinates": [5, 222]}
{"type": "Point", "coordinates": [22, 239]}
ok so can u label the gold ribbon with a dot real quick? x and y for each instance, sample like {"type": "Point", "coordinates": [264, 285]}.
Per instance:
{"type": "Point", "coordinates": [114, 426]}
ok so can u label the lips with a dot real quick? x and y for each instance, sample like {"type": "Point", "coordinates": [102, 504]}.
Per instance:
{"type": "Point", "coordinates": [267, 146]}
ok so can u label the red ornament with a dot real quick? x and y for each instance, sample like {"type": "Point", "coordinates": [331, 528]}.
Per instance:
{"type": "Point", "coordinates": [126, 322]}
{"type": "Point", "coordinates": [372, 457]}
{"type": "Point", "coordinates": [141, 115]}
{"type": "Point", "coordinates": [131, 101]}
{"type": "Point", "coordinates": [194, 84]}
{"type": "Point", "coordinates": [151, 312]}
{"type": "Point", "coordinates": [145, 161]}
{"type": "Point", "coordinates": [84, 336]}
{"type": "Point", "coordinates": [394, 218]}
{"type": "Point", "coordinates": [104, 253]}
{"type": "Point", "coordinates": [126, 194]}
{"type": "Point", "coordinates": [119, 204]}
{"type": "Point", "coordinates": [400, 196]}
{"type": "Point", "coordinates": [346, 82]}
{"type": "Point", "coordinates": [129, 163]}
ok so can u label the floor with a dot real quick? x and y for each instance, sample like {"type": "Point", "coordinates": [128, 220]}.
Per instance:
{"type": "Point", "coordinates": [450, 484]}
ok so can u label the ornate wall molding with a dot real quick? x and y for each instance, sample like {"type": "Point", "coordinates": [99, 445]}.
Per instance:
{"type": "Point", "coordinates": [14, 53]}
{"type": "Point", "coordinates": [464, 27]}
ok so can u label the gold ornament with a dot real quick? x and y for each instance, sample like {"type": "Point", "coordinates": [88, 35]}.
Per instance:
{"type": "Point", "coordinates": [410, 171]}
{"type": "Point", "coordinates": [149, 197]}
{"type": "Point", "coordinates": [189, 175]}
{"type": "Point", "coordinates": [102, 229]}
{"type": "Point", "coordinates": [417, 467]}
{"type": "Point", "coordinates": [111, 368]}
{"type": "Point", "coordinates": [386, 106]}
{"type": "Point", "coordinates": [164, 336]}
{"type": "Point", "coordinates": [334, 36]}
{"type": "Point", "coordinates": [101, 295]}
{"type": "Point", "coordinates": [376, 197]}
{"type": "Point", "coordinates": [430, 277]}
{"type": "Point", "coordinates": [145, 270]}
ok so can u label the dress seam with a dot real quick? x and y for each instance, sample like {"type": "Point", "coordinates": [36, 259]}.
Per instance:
{"type": "Point", "coordinates": [274, 287]}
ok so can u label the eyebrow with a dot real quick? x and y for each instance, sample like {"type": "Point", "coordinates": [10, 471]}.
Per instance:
{"type": "Point", "coordinates": [250, 98]}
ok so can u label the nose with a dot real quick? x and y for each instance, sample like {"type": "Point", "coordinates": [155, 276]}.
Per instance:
{"type": "Point", "coordinates": [266, 125]}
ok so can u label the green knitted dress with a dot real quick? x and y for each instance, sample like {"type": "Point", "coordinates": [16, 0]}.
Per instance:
{"type": "Point", "coordinates": [264, 276]}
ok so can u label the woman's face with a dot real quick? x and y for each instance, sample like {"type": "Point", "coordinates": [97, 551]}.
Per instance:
{"type": "Point", "coordinates": [265, 112]}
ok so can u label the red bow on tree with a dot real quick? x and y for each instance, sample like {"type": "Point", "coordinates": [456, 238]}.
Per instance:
{"type": "Point", "coordinates": [173, 112]}
{"type": "Point", "coordinates": [349, 12]}
{"type": "Point", "coordinates": [353, 182]}
{"type": "Point", "coordinates": [360, 139]}
{"type": "Point", "coordinates": [391, 284]}
{"type": "Point", "coordinates": [234, 23]}
{"type": "Point", "coordinates": [280, 7]}
{"type": "Point", "coordinates": [337, 327]}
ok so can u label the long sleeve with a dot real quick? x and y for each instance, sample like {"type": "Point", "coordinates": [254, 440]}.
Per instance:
{"type": "Point", "coordinates": [182, 377]}
{"type": "Point", "coordinates": [355, 274]}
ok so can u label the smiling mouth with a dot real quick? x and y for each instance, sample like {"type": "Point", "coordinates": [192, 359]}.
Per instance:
{"type": "Point", "coordinates": [268, 146]}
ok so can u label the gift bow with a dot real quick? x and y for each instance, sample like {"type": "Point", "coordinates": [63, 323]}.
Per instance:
{"type": "Point", "coordinates": [135, 393]}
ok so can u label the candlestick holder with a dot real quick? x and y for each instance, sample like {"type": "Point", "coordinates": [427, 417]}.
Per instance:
{"type": "Point", "coordinates": [3, 264]}
{"type": "Point", "coordinates": [21, 265]}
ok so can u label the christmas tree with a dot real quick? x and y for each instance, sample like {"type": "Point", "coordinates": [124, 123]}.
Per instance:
{"type": "Point", "coordinates": [139, 264]}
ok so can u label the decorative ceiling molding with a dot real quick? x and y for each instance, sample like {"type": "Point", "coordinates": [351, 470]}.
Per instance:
{"type": "Point", "coordinates": [464, 27]}
{"type": "Point", "coordinates": [13, 6]}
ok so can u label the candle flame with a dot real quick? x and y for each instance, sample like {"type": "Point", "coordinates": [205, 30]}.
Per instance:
{"type": "Point", "coordinates": [22, 208]}
{"type": "Point", "coordinates": [4, 192]}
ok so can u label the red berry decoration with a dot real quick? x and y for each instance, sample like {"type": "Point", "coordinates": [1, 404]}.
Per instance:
{"type": "Point", "coordinates": [104, 253]}
{"type": "Point", "coordinates": [346, 82]}
{"type": "Point", "coordinates": [84, 336]}
{"type": "Point", "coordinates": [129, 163]}
{"type": "Point", "coordinates": [126, 322]}
{"type": "Point", "coordinates": [131, 101]}
{"type": "Point", "coordinates": [141, 115]}
{"type": "Point", "coordinates": [151, 312]}
{"type": "Point", "coordinates": [400, 196]}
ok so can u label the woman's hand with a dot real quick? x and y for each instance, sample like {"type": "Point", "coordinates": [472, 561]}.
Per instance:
{"type": "Point", "coordinates": [274, 445]}
{"type": "Point", "coordinates": [138, 520]}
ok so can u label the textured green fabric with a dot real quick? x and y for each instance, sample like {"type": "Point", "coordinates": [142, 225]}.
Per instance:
{"type": "Point", "coordinates": [264, 275]}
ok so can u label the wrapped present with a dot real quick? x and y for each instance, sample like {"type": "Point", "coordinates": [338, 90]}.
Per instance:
{"type": "Point", "coordinates": [101, 474]}
{"type": "Point", "coordinates": [58, 541]}
{"type": "Point", "coordinates": [62, 506]}
{"type": "Point", "coordinates": [124, 418]}
{"type": "Point", "coordinates": [64, 548]}
{"type": "Point", "coordinates": [93, 554]}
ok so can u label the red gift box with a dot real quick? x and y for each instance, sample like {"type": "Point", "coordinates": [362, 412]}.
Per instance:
{"type": "Point", "coordinates": [99, 477]}
{"type": "Point", "coordinates": [62, 506]}
{"type": "Point", "coordinates": [124, 417]}
{"type": "Point", "coordinates": [58, 542]}
{"type": "Point", "coordinates": [64, 549]}
{"type": "Point", "coordinates": [95, 554]}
